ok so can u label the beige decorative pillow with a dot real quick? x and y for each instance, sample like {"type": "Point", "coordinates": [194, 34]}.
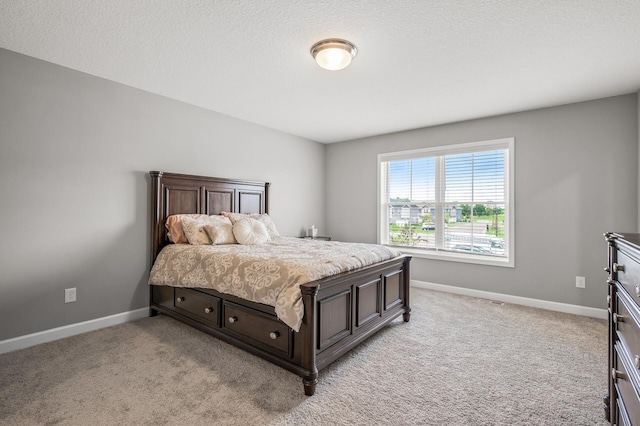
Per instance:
{"type": "Point", "coordinates": [264, 218]}
{"type": "Point", "coordinates": [194, 230]}
{"type": "Point", "coordinates": [249, 231]}
{"type": "Point", "coordinates": [174, 227]}
{"type": "Point", "coordinates": [234, 217]}
{"type": "Point", "coordinates": [268, 223]}
{"type": "Point", "coordinates": [220, 230]}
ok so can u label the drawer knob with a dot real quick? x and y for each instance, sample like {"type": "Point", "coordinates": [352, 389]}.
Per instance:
{"type": "Point", "coordinates": [638, 290]}
{"type": "Point", "coordinates": [179, 299]}
{"type": "Point", "coordinates": [615, 374]}
{"type": "Point", "coordinates": [233, 319]}
{"type": "Point", "coordinates": [274, 335]}
{"type": "Point", "coordinates": [208, 310]}
{"type": "Point", "coordinates": [618, 267]}
{"type": "Point", "coordinates": [618, 318]}
{"type": "Point", "coordinates": [636, 360]}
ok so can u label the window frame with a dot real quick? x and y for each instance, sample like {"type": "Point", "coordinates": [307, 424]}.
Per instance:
{"type": "Point", "coordinates": [437, 151]}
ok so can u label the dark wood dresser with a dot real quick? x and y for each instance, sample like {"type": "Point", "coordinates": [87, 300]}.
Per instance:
{"type": "Point", "coordinates": [622, 404]}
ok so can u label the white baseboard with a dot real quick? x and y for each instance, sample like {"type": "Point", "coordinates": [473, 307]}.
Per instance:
{"type": "Point", "coordinates": [22, 342]}
{"type": "Point", "coordinates": [516, 300]}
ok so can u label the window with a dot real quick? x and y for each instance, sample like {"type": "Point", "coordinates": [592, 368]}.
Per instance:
{"type": "Point", "coordinates": [453, 202]}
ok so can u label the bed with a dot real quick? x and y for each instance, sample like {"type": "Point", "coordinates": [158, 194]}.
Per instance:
{"type": "Point", "coordinates": [337, 312]}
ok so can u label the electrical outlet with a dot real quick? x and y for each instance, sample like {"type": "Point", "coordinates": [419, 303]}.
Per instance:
{"type": "Point", "coordinates": [580, 282]}
{"type": "Point", "coordinates": [70, 295]}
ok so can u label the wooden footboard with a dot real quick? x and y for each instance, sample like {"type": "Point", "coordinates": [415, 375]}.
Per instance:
{"type": "Point", "coordinates": [339, 311]}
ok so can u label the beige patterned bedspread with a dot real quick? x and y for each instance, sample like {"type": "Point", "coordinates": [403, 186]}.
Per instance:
{"type": "Point", "coordinates": [269, 273]}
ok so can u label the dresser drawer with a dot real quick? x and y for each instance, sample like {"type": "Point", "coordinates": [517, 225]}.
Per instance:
{"type": "Point", "coordinates": [630, 408]}
{"type": "Point", "coordinates": [627, 328]}
{"type": "Point", "coordinates": [622, 418]}
{"type": "Point", "coordinates": [258, 326]}
{"type": "Point", "coordinates": [195, 304]}
{"type": "Point", "coordinates": [628, 274]}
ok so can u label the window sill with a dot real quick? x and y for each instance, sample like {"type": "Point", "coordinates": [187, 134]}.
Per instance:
{"type": "Point", "coordinates": [458, 257]}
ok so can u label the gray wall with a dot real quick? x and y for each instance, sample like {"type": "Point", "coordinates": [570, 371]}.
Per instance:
{"type": "Point", "coordinates": [74, 153]}
{"type": "Point", "coordinates": [74, 195]}
{"type": "Point", "coordinates": [576, 176]}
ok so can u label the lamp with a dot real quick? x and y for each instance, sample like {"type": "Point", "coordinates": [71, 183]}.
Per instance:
{"type": "Point", "coordinates": [333, 53]}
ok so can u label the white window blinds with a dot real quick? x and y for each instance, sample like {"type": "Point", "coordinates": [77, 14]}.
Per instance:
{"type": "Point", "coordinates": [452, 201]}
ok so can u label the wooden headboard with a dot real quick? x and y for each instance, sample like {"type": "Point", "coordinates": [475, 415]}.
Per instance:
{"type": "Point", "coordinates": [174, 193]}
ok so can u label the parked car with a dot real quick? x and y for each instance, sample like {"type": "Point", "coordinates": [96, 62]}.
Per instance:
{"type": "Point", "coordinates": [428, 226]}
{"type": "Point", "coordinates": [497, 246]}
{"type": "Point", "coordinates": [471, 248]}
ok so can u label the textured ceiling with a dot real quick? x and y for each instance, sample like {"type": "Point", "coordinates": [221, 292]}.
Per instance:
{"type": "Point", "coordinates": [420, 62]}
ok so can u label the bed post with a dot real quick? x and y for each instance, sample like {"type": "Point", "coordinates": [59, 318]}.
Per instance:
{"type": "Point", "coordinates": [156, 211]}
{"type": "Point", "coordinates": [407, 289]}
{"type": "Point", "coordinates": [310, 319]}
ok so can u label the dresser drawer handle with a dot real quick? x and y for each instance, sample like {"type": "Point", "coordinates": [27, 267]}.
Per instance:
{"type": "Point", "coordinates": [179, 299]}
{"type": "Point", "coordinates": [274, 335]}
{"type": "Point", "coordinates": [208, 310]}
{"type": "Point", "coordinates": [232, 319]}
{"type": "Point", "coordinates": [618, 318]}
{"type": "Point", "coordinates": [615, 374]}
{"type": "Point", "coordinates": [618, 267]}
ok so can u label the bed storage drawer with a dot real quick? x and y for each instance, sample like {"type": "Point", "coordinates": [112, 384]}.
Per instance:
{"type": "Point", "coordinates": [258, 326]}
{"type": "Point", "coordinates": [196, 304]}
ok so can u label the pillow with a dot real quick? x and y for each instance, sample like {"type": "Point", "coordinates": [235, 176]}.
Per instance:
{"type": "Point", "coordinates": [174, 227]}
{"type": "Point", "coordinates": [264, 218]}
{"type": "Point", "coordinates": [249, 231]}
{"type": "Point", "coordinates": [193, 228]}
{"type": "Point", "coordinates": [234, 217]}
{"type": "Point", "coordinates": [220, 230]}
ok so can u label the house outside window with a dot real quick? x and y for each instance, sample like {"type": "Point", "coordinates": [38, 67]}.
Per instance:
{"type": "Point", "coordinates": [452, 202]}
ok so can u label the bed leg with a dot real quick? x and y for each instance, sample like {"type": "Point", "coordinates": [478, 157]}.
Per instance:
{"type": "Point", "coordinates": [407, 289]}
{"type": "Point", "coordinates": [309, 336]}
{"type": "Point", "coordinates": [152, 312]}
{"type": "Point", "coordinates": [406, 316]}
{"type": "Point", "coordinates": [310, 385]}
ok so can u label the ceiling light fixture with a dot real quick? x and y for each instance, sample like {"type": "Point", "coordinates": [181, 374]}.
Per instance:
{"type": "Point", "coordinates": [333, 53]}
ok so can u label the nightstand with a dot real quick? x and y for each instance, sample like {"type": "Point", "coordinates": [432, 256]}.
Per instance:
{"type": "Point", "coordinates": [317, 237]}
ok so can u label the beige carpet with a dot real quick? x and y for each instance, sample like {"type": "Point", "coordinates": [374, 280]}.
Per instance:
{"type": "Point", "coordinates": [460, 361]}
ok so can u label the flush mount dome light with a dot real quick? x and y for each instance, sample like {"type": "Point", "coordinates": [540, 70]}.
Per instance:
{"type": "Point", "coordinates": [333, 53]}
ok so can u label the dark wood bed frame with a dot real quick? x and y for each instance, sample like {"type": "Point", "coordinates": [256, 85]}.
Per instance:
{"type": "Point", "coordinates": [339, 311]}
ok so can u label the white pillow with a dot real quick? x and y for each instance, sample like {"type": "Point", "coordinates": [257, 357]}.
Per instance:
{"type": "Point", "coordinates": [249, 231]}
{"type": "Point", "coordinates": [220, 230]}
{"type": "Point", "coordinates": [261, 217]}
